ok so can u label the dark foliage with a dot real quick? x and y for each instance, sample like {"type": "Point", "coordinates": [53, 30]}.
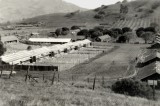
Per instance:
{"type": "Point", "coordinates": [139, 31]}
{"type": "Point", "coordinates": [84, 32]}
{"type": "Point", "coordinates": [150, 29]}
{"type": "Point", "coordinates": [99, 16]}
{"type": "Point", "coordinates": [96, 34]}
{"type": "Point", "coordinates": [75, 27]}
{"type": "Point", "coordinates": [126, 29]}
{"type": "Point", "coordinates": [2, 49]}
{"type": "Point", "coordinates": [29, 48]}
{"type": "Point", "coordinates": [117, 30]}
{"type": "Point", "coordinates": [58, 31]}
{"type": "Point", "coordinates": [132, 88]}
{"type": "Point", "coordinates": [122, 39]}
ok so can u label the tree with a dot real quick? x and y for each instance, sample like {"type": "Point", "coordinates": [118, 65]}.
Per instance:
{"type": "Point", "coordinates": [122, 39]}
{"type": "Point", "coordinates": [2, 49]}
{"type": "Point", "coordinates": [133, 88]}
{"type": "Point", "coordinates": [150, 29]}
{"type": "Point", "coordinates": [155, 26]}
{"type": "Point", "coordinates": [75, 27]}
{"type": "Point", "coordinates": [126, 29]}
{"type": "Point", "coordinates": [148, 37]}
{"type": "Point", "coordinates": [65, 31]}
{"type": "Point", "coordinates": [96, 34]}
{"type": "Point", "coordinates": [58, 31]}
{"type": "Point", "coordinates": [84, 32]}
{"type": "Point", "coordinates": [140, 31]}
{"type": "Point", "coordinates": [117, 30]}
{"type": "Point", "coordinates": [29, 48]}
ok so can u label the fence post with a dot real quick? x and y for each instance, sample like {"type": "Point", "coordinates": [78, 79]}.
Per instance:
{"type": "Point", "coordinates": [12, 69]}
{"type": "Point", "coordinates": [72, 79]}
{"type": "Point", "coordinates": [102, 80]}
{"type": "Point", "coordinates": [53, 77]}
{"type": "Point", "coordinates": [27, 73]}
{"type": "Point", "coordinates": [43, 77]}
{"type": "Point", "coordinates": [58, 76]}
{"type": "Point", "coordinates": [94, 82]}
{"type": "Point", "coordinates": [1, 70]}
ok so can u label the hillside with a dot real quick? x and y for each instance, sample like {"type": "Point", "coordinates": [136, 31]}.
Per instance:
{"type": "Point", "coordinates": [16, 92]}
{"type": "Point", "coordinates": [18, 9]}
{"type": "Point", "coordinates": [109, 15]}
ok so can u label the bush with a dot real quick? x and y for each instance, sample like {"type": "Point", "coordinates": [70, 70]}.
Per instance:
{"type": "Point", "coordinates": [101, 13]}
{"type": "Point", "coordinates": [99, 16]}
{"type": "Point", "coordinates": [2, 49]}
{"type": "Point", "coordinates": [132, 88]}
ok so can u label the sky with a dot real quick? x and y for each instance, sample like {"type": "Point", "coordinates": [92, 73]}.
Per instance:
{"type": "Point", "coordinates": [91, 4]}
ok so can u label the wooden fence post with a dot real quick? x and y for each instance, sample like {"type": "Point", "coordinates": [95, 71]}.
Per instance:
{"type": "Point", "coordinates": [12, 69]}
{"type": "Point", "coordinates": [53, 77]}
{"type": "Point", "coordinates": [58, 76]}
{"type": "Point", "coordinates": [27, 73]}
{"type": "Point", "coordinates": [43, 77]}
{"type": "Point", "coordinates": [94, 82]}
{"type": "Point", "coordinates": [102, 80]}
{"type": "Point", "coordinates": [1, 70]}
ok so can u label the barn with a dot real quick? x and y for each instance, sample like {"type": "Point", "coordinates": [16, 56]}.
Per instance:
{"type": "Point", "coordinates": [9, 39]}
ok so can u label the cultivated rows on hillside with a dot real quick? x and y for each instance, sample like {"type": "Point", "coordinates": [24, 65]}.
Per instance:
{"type": "Point", "coordinates": [136, 23]}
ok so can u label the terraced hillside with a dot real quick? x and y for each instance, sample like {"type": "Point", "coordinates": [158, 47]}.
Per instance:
{"type": "Point", "coordinates": [136, 23]}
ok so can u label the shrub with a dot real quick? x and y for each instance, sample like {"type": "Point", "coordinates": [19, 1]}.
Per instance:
{"type": "Point", "coordinates": [132, 88]}
{"type": "Point", "coordinates": [99, 16]}
{"type": "Point", "coordinates": [29, 48]}
{"type": "Point", "coordinates": [2, 48]}
{"type": "Point", "coordinates": [122, 39]}
{"type": "Point", "coordinates": [101, 13]}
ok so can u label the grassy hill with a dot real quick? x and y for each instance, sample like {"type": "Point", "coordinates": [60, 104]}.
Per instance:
{"type": "Point", "coordinates": [16, 92]}
{"type": "Point", "coordinates": [141, 10]}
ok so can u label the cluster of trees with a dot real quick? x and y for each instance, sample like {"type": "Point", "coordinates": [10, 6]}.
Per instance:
{"type": "Point", "coordinates": [148, 34]}
{"type": "Point", "coordinates": [132, 88]}
{"type": "Point", "coordinates": [100, 31]}
{"type": "Point", "coordinates": [65, 30]}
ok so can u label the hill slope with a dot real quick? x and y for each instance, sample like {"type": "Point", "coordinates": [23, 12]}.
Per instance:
{"type": "Point", "coordinates": [18, 9]}
{"type": "Point", "coordinates": [139, 9]}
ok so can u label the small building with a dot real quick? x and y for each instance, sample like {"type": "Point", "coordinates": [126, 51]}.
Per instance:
{"type": "Point", "coordinates": [105, 38]}
{"type": "Point", "coordinates": [149, 72]}
{"type": "Point", "coordinates": [50, 40]}
{"type": "Point", "coordinates": [9, 39]}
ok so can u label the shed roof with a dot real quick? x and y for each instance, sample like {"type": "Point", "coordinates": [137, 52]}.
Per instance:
{"type": "Point", "coordinates": [24, 55]}
{"type": "Point", "coordinates": [148, 55]}
{"type": "Point", "coordinates": [56, 40]}
{"type": "Point", "coordinates": [105, 37]}
{"type": "Point", "coordinates": [8, 38]}
{"type": "Point", "coordinates": [148, 70]}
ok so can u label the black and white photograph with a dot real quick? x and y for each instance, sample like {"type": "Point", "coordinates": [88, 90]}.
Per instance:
{"type": "Point", "coordinates": [79, 52]}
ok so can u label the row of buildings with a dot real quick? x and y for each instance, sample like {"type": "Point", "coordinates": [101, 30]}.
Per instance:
{"type": "Point", "coordinates": [28, 55]}
{"type": "Point", "coordinates": [148, 63]}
